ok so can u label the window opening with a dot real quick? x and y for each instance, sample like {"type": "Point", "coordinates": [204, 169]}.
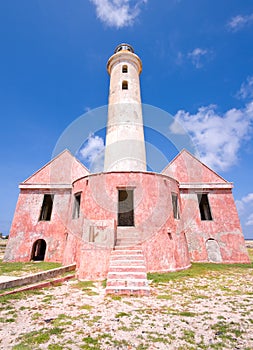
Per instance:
{"type": "Point", "coordinates": [126, 207]}
{"type": "Point", "coordinates": [124, 69]}
{"type": "Point", "coordinates": [76, 208]}
{"type": "Point", "coordinates": [39, 250]}
{"type": "Point", "coordinates": [204, 207]}
{"type": "Point", "coordinates": [124, 85]}
{"type": "Point", "coordinates": [47, 206]}
{"type": "Point", "coordinates": [175, 206]}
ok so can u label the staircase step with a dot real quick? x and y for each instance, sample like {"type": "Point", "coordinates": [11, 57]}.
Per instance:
{"type": "Point", "coordinates": [126, 262]}
{"type": "Point", "coordinates": [126, 243]}
{"type": "Point", "coordinates": [138, 291]}
{"type": "Point", "coordinates": [124, 257]}
{"type": "Point", "coordinates": [126, 275]}
{"type": "Point", "coordinates": [128, 268]}
{"type": "Point", "coordinates": [128, 248]}
{"type": "Point", "coordinates": [115, 282]}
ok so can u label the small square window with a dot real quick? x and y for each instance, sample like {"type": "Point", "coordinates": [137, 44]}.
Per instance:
{"type": "Point", "coordinates": [124, 69]}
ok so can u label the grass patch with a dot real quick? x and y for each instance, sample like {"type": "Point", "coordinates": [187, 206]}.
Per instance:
{"type": "Point", "coordinates": [83, 284]}
{"type": "Point", "coordinates": [197, 270]}
{"type": "Point", "coordinates": [250, 252]}
{"type": "Point", "coordinates": [36, 315]}
{"type": "Point", "coordinates": [164, 296]}
{"type": "Point", "coordinates": [90, 343]}
{"type": "Point", "coordinates": [187, 314]}
{"type": "Point", "coordinates": [21, 268]}
{"type": "Point", "coordinates": [103, 283]}
{"type": "Point", "coordinates": [86, 307]}
{"type": "Point", "coordinates": [33, 339]}
{"type": "Point", "coordinates": [115, 297]}
{"type": "Point", "coordinates": [226, 331]}
{"type": "Point", "coordinates": [18, 296]}
{"type": "Point", "coordinates": [47, 299]}
{"type": "Point", "coordinates": [189, 336]}
{"type": "Point", "coordinates": [122, 314]}
{"type": "Point", "coordinates": [55, 347]}
{"type": "Point", "coordinates": [62, 320]}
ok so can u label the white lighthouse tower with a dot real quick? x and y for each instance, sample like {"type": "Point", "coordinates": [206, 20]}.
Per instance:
{"type": "Point", "coordinates": [125, 147]}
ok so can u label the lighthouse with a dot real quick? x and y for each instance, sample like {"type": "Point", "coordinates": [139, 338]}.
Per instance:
{"type": "Point", "coordinates": [126, 221]}
{"type": "Point", "coordinates": [125, 146]}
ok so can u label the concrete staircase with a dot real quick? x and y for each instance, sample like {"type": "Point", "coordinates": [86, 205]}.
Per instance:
{"type": "Point", "coordinates": [127, 271]}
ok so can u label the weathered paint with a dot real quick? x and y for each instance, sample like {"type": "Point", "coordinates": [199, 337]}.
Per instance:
{"type": "Point", "coordinates": [167, 243]}
{"type": "Point", "coordinates": [125, 146]}
{"type": "Point", "coordinates": [186, 168]}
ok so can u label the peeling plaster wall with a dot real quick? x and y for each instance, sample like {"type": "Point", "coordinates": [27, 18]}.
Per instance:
{"type": "Point", "coordinates": [224, 227]}
{"type": "Point", "coordinates": [186, 168]}
{"type": "Point", "coordinates": [153, 220]}
{"type": "Point", "coordinates": [26, 227]}
{"type": "Point", "coordinates": [168, 244]}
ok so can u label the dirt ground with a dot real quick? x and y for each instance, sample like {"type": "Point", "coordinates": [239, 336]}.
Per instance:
{"type": "Point", "coordinates": [210, 311]}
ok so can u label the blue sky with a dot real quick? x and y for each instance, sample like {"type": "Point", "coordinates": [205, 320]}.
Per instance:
{"type": "Point", "coordinates": [197, 65]}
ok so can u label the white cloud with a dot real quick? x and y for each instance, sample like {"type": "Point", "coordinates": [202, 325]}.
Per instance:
{"type": "Point", "coordinates": [249, 221]}
{"type": "Point", "coordinates": [118, 13]}
{"type": "Point", "coordinates": [246, 90]}
{"type": "Point", "coordinates": [240, 204]}
{"type": "Point", "coordinates": [92, 153]}
{"type": "Point", "coordinates": [217, 137]}
{"type": "Point", "coordinates": [245, 209]}
{"type": "Point", "coordinates": [197, 56]}
{"type": "Point", "coordinates": [238, 22]}
{"type": "Point", "coordinates": [248, 198]}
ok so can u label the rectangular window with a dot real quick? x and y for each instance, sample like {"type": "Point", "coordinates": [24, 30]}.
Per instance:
{"type": "Point", "coordinates": [204, 207]}
{"type": "Point", "coordinates": [47, 206]}
{"type": "Point", "coordinates": [76, 208]}
{"type": "Point", "coordinates": [175, 205]}
{"type": "Point", "coordinates": [124, 85]}
{"type": "Point", "coordinates": [124, 69]}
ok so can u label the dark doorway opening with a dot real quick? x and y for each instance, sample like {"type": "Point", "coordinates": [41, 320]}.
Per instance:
{"type": "Point", "coordinates": [39, 250]}
{"type": "Point", "coordinates": [126, 207]}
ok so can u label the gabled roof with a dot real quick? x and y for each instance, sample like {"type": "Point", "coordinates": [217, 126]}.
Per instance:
{"type": "Point", "coordinates": [63, 169]}
{"type": "Point", "coordinates": [187, 168]}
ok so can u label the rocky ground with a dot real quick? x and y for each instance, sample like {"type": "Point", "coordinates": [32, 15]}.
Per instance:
{"type": "Point", "coordinates": [208, 309]}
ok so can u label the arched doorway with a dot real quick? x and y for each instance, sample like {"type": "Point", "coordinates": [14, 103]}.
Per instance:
{"type": "Point", "coordinates": [39, 250]}
{"type": "Point", "coordinates": [213, 251]}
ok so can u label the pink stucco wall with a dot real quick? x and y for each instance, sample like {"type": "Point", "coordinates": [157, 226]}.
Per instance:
{"type": "Point", "coordinates": [168, 244]}
{"type": "Point", "coordinates": [153, 218]}
{"type": "Point", "coordinates": [63, 169]}
{"type": "Point", "coordinates": [224, 227]}
{"type": "Point", "coordinates": [186, 168]}
{"type": "Point", "coordinates": [26, 227]}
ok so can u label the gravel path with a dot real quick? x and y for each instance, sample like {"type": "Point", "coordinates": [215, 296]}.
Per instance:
{"type": "Point", "coordinates": [210, 312]}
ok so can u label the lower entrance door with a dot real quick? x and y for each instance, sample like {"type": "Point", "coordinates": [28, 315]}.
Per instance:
{"type": "Point", "coordinates": [125, 207]}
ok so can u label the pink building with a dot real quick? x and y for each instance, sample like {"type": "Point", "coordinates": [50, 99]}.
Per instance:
{"type": "Point", "coordinates": [124, 222]}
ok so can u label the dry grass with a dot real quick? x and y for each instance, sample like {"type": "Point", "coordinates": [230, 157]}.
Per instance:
{"type": "Point", "coordinates": [207, 307]}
